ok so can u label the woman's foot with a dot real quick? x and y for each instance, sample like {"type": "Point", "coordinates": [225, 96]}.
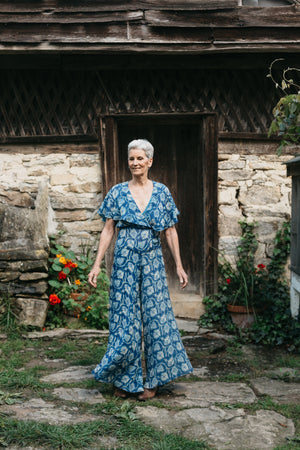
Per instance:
{"type": "Point", "coordinates": [120, 393]}
{"type": "Point", "coordinates": [147, 394]}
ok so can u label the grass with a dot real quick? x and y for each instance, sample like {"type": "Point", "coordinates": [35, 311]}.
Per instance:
{"type": "Point", "coordinates": [19, 382]}
{"type": "Point", "coordinates": [115, 418]}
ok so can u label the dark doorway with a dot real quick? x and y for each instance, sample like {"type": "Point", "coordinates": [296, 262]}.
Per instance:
{"type": "Point", "coordinates": [185, 159]}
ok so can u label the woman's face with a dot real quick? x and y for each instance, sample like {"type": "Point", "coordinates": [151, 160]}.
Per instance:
{"type": "Point", "coordinates": [138, 162]}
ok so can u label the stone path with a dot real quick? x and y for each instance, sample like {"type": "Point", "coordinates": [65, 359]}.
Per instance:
{"type": "Point", "coordinates": [199, 410]}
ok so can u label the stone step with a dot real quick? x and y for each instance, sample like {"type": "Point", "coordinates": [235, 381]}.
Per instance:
{"type": "Point", "coordinates": [187, 305]}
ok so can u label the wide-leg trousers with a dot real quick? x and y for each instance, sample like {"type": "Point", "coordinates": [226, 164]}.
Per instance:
{"type": "Point", "coordinates": [139, 300]}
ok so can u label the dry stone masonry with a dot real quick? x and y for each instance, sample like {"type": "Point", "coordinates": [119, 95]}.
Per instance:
{"type": "Point", "coordinates": [45, 190]}
{"type": "Point", "coordinates": [252, 185]}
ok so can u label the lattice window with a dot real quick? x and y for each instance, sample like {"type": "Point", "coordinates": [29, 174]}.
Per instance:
{"type": "Point", "coordinates": [66, 103]}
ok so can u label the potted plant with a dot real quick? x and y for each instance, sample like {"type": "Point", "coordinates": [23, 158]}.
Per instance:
{"type": "Point", "coordinates": [244, 284]}
{"type": "Point", "coordinates": [286, 122]}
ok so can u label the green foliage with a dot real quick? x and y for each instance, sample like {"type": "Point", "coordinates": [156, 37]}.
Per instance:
{"type": "Point", "coordinates": [70, 292]}
{"type": "Point", "coordinates": [8, 319]}
{"type": "Point", "coordinates": [274, 325]}
{"type": "Point", "coordinates": [245, 283]}
{"type": "Point", "coordinates": [286, 123]}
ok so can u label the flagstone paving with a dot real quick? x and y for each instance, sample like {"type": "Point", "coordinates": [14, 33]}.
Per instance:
{"type": "Point", "coordinates": [199, 410]}
{"type": "Point", "coordinates": [233, 429]}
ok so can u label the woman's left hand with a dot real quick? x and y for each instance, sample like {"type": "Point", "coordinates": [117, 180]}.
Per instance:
{"type": "Point", "coordinates": [183, 278]}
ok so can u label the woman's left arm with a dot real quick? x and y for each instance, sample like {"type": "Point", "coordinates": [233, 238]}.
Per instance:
{"type": "Point", "coordinates": [173, 243]}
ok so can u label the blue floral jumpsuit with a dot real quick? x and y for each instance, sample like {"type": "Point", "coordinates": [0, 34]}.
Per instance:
{"type": "Point", "coordinates": [139, 295]}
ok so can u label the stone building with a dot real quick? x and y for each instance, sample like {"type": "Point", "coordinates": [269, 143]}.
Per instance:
{"type": "Point", "coordinates": [80, 79]}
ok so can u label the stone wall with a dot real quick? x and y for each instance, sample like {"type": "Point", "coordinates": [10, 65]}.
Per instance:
{"type": "Point", "coordinates": [252, 185]}
{"type": "Point", "coordinates": [42, 194]}
{"type": "Point", "coordinates": [74, 187]}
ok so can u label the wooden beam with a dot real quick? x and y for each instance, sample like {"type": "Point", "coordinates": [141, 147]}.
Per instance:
{"type": "Point", "coordinates": [49, 6]}
{"type": "Point", "coordinates": [239, 18]}
{"type": "Point", "coordinates": [74, 18]}
{"type": "Point", "coordinates": [91, 34]}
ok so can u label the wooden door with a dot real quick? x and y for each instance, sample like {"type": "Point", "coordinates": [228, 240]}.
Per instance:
{"type": "Point", "coordinates": [185, 159]}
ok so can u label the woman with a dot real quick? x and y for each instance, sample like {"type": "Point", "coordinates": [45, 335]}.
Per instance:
{"type": "Point", "coordinates": [139, 295]}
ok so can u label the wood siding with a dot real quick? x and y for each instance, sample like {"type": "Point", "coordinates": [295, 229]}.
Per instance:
{"type": "Point", "coordinates": [161, 26]}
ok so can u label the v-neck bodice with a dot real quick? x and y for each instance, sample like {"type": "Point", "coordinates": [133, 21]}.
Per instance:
{"type": "Point", "coordinates": [159, 214]}
{"type": "Point", "coordinates": [146, 207]}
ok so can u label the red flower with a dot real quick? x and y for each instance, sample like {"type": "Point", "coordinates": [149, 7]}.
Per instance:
{"type": "Point", "coordinates": [54, 299]}
{"type": "Point", "coordinates": [62, 275]}
{"type": "Point", "coordinates": [261, 266]}
{"type": "Point", "coordinates": [228, 280]}
{"type": "Point", "coordinates": [71, 265]}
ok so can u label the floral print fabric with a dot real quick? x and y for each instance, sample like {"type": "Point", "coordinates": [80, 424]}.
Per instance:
{"type": "Point", "coordinates": [139, 296]}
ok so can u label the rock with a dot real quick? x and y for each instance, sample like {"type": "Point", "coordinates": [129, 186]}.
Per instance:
{"type": "Point", "coordinates": [225, 337]}
{"type": "Point", "coordinates": [201, 372]}
{"type": "Point", "coordinates": [280, 391]}
{"type": "Point", "coordinates": [80, 201]}
{"type": "Point", "coordinates": [59, 333]}
{"type": "Point", "coordinates": [5, 277]}
{"type": "Point", "coordinates": [38, 410]}
{"type": "Point", "coordinates": [16, 288]}
{"type": "Point", "coordinates": [235, 175]}
{"type": "Point", "coordinates": [86, 226]}
{"type": "Point", "coordinates": [70, 374]}
{"type": "Point", "coordinates": [31, 276]}
{"type": "Point", "coordinates": [189, 326]}
{"type": "Point", "coordinates": [284, 373]}
{"type": "Point", "coordinates": [231, 165]}
{"type": "Point", "coordinates": [16, 198]}
{"type": "Point", "coordinates": [83, 160]}
{"type": "Point", "coordinates": [22, 253]}
{"type": "Point", "coordinates": [24, 266]}
{"type": "Point", "coordinates": [254, 196]}
{"type": "Point", "coordinates": [203, 345]}
{"type": "Point", "coordinates": [32, 311]}
{"type": "Point", "coordinates": [91, 186]}
{"type": "Point", "coordinates": [91, 396]}
{"type": "Point", "coordinates": [206, 393]}
{"type": "Point", "coordinates": [59, 179]}
{"type": "Point", "coordinates": [227, 196]}
{"type": "Point", "coordinates": [70, 216]}
{"type": "Point", "coordinates": [222, 429]}
{"type": "Point", "coordinates": [3, 337]}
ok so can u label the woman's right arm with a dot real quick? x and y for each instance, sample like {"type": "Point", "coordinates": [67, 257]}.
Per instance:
{"type": "Point", "coordinates": [105, 240]}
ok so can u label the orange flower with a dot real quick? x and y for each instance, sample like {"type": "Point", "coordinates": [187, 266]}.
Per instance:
{"type": "Point", "coordinates": [62, 260]}
{"type": "Point", "coordinates": [78, 282]}
{"type": "Point", "coordinates": [58, 256]}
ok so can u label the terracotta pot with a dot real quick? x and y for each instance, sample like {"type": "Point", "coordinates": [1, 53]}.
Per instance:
{"type": "Point", "coordinates": [241, 316]}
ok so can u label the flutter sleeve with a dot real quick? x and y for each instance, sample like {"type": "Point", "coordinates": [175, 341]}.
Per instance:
{"type": "Point", "coordinates": [109, 208]}
{"type": "Point", "coordinates": [164, 212]}
{"type": "Point", "coordinates": [171, 211]}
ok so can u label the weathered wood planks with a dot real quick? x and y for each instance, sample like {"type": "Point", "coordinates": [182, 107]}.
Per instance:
{"type": "Point", "coordinates": [112, 5]}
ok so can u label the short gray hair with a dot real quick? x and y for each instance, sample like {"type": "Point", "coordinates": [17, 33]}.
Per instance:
{"type": "Point", "coordinates": [142, 144]}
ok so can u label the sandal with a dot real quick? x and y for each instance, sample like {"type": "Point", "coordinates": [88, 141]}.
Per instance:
{"type": "Point", "coordinates": [120, 393]}
{"type": "Point", "coordinates": [148, 394]}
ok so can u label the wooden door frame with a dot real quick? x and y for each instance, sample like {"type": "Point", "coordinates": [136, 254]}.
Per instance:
{"type": "Point", "coordinates": [109, 158]}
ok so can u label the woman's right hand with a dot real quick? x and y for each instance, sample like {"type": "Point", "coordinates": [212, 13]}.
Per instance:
{"type": "Point", "coordinates": [93, 275]}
